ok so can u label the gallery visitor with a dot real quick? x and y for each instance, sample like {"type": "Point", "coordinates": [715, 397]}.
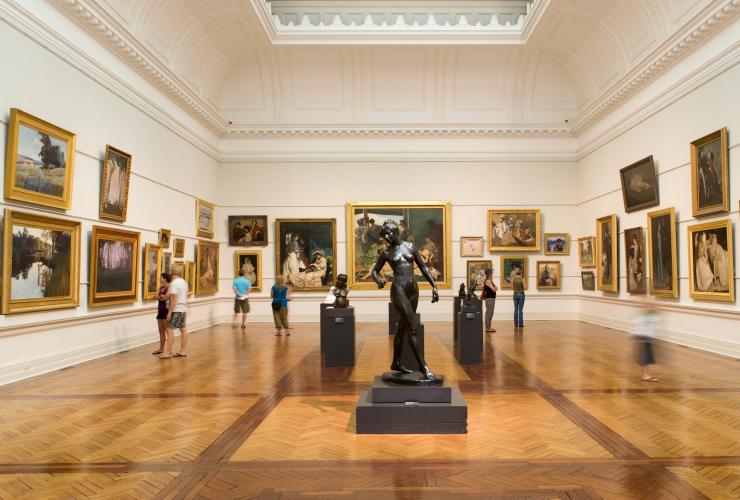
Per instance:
{"type": "Point", "coordinates": [241, 286]}
{"type": "Point", "coordinates": [279, 294]}
{"type": "Point", "coordinates": [517, 284]}
{"type": "Point", "coordinates": [489, 297]}
{"type": "Point", "coordinates": [176, 315]}
{"type": "Point", "coordinates": [162, 309]}
{"type": "Point", "coordinates": [644, 326]}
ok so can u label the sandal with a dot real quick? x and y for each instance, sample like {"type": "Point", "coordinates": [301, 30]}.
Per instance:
{"type": "Point", "coordinates": [651, 379]}
{"type": "Point", "coordinates": [165, 356]}
{"type": "Point", "coordinates": [179, 355]}
{"type": "Point", "coordinates": [278, 334]}
{"type": "Point", "coordinates": [157, 352]}
{"type": "Point", "coordinates": [287, 333]}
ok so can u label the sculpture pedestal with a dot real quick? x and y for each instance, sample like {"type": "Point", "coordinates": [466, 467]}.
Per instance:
{"type": "Point", "coordinates": [389, 408]}
{"type": "Point", "coordinates": [470, 334]}
{"type": "Point", "coordinates": [456, 304]}
{"type": "Point", "coordinates": [340, 336]}
{"type": "Point", "coordinates": [322, 326]}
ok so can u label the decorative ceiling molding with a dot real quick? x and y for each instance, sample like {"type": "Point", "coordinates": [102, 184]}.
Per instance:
{"type": "Point", "coordinates": [535, 130]}
{"type": "Point", "coordinates": [550, 156]}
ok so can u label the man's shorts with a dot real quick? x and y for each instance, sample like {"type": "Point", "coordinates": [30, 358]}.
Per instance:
{"type": "Point", "coordinates": [177, 320]}
{"type": "Point", "coordinates": [241, 306]}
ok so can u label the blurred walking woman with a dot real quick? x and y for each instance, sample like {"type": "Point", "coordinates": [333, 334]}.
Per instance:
{"type": "Point", "coordinates": [489, 297]}
{"type": "Point", "coordinates": [162, 309]}
{"type": "Point", "coordinates": [517, 283]}
{"type": "Point", "coordinates": [279, 294]}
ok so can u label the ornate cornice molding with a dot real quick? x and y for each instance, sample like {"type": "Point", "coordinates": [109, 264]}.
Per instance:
{"type": "Point", "coordinates": [348, 130]}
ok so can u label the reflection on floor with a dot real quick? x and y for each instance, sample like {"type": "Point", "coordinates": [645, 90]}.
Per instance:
{"type": "Point", "coordinates": [558, 412]}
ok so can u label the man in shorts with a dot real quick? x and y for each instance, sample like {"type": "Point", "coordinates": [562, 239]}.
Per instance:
{"type": "Point", "coordinates": [178, 297]}
{"type": "Point", "coordinates": [241, 286]}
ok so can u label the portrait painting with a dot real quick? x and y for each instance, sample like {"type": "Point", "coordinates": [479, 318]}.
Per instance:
{"type": "Point", "coordinates": [639, 185]}
{"type": "Point", "coordinates": [514, 230]}
{"type": "Point", "coordinates": [426, 225]}
{"type": "Point", "coordinates": [710, 187]}
{"type": "Point", "coordinates": [206, 267]}
{"type": "Point", "coordinates": [548, 275]}
{"type": "Point", "coordinates": [39, 161]}
{"type": "Point", "coordinates": [251, 264]}
{"type": "Point", "coordinates": [204, 218]}
{"type": "Point", "coordinates": [114, 184]}
{"type": "Point", "coordinates": [510, 266]}
{"type": "Point", "coordinates": [588, 280]}
{"type": "Point", "coordinates": [247, 230]}
{"type": "Point", "coordinates": [471, 246]}
{"type": "Point", "coordinates": [41, 264]}
{"type": "Point", "coordinates": [165, 235]}
{"type": "Point", "coordinates": [607, 255]}
{"type": "Point", "coordinates": [557, 244]}
{"type": "Point", "coordinates": [114, 266]}
{"type": "Point", "coordinates": [711, 273]}
{"type": "Point", "coordinates": [152, 270]}
{"type": "Point", "coordinates": [179, 248]}
{"type": "Point", "coordinates": [190, 276]}
{"type": "Point", "coordinates": [477, 272]}
{"type": "Point", "coordinates": [586, 251]}
{"type": "Point", "coordinates": [166, 262]}
{"type": "Point", "coordinates": [306, 252]}
{"type": "Point", "coordinates": [663, 264]}
{"type": "Point", "coordinates": [636, 257]}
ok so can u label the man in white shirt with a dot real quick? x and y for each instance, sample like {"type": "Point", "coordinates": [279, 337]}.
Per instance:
{"type": "Point", "coordinates": [178, 297]}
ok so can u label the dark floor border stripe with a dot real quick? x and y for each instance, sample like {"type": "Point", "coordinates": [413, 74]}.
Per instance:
{"type": "Point", "coordinates": [164, 395]}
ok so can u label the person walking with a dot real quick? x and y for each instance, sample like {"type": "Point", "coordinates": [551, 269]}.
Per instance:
{"type": "Point", "coordinates": [644, 326]}
{"type": "Point", "coordinates": [279, 294]}
{"type": "Point", "coordinates": [241, 286]}
{"type": "Point", "coordinates": [488, 295]}
{"type": "Point", "coordinates": [162, 309]}
{"type": "Point", "coordinates": [518, 285]}
{"type": "Point", "coordinates": [176, 315]}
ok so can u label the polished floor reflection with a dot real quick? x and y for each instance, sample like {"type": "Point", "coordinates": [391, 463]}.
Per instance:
{"type": "Point", "coordinates": [558, 412]}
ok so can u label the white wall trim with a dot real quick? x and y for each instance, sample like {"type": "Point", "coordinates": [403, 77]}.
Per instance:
{"type": "Point", "coordinates": [303, 156]}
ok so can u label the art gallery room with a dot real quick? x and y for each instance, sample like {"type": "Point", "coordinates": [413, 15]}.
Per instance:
{"type": "Point", "coordinates": [370, 249]}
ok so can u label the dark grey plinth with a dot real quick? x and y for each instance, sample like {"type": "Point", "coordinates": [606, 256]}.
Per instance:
{"type": "Point", "coordinates": [340, 336]}
{"type": "Point", "coordinates": [456, 304]}
{"type": "Point", "coordinates": [407, 356]}
{"type": "Point", "coordinates": [389, 392]}
{"type": "Point", "coordinates": [322, 326]}
{"type": "Point", "coordinates": [470, 335]}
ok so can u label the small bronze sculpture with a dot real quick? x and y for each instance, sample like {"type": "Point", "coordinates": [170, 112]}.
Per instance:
{"type": "Point", "coordinates": [401, 256]}
{"type": "Point", "coordinates": [471, 296]}
{"type": "Point", "coordinates": [340, 292]}
{"type": "Point", "coordinates": [461, 293]}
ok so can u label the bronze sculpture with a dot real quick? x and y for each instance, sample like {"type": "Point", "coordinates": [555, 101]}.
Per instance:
{"type": "Point", "coordinates": [340, 292]}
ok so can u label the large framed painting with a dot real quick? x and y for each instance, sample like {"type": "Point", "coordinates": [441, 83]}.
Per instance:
{"type": "Point", "coordinates": [588, 280]}
{"type": "Point", "coordinates": [204, 218]}
{"type": "Point", "coordinates": [586, 250]}
{"type": "Point", "coordinates": [557, 244]}
{"type": "Point", "coordinates": [663, 264]}
{"type": "Point", "coordinates": [607, 256]}
{"type": "Point", "coordinates": [39, 161]}
{"type": "Point", "coordinates": [548, 275]}
{"type": "Point", "coordinates": [710, 183]}
{"type": "Point", "coordinates": [41, 264]}
{"type": "Point", "coordinates": [251, 263]}
{"type": "Point", "coordinates": [165, 235]}
{"type": "Point", "coordinates": [639, 185]}
{"type": "Point", "coordinates": [114, 185]}
{"type": "Point", "coordinates": [179, 248]}
{"type": "Point", "coordinates": [306, 252]}
{"type": "Point", "coordinates": [711, 270]}
{"type": "Point", "coordinates": [510, 265]}
{"type": "Point", "coordinates": [514, 230]}
{"type": "Point", "coordinates": [247, 230]}
{"type": "Point", "coordinates": [152, 270]}
{"type": "Point", "coordinates": [636, 256]}
{"type": "Point", "coordinates": [477, 272]}
{"type": "Point", "coordinates": [471, 246]}
{"type": "Point", "coordinates": [206, 267]}
{"type": "Point", "coordinates": [114, 266]}
{"type": "Point", "coordinates": [426, 224]}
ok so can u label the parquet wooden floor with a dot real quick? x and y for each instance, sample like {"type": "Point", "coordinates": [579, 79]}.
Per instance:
{"type": "Point", "coordinates": [558, 412]}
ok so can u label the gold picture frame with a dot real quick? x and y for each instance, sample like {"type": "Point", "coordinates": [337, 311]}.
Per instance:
{"type": "Point", "coordinates": [114, 184]}
{"type": "Point", "coordinates": [164, 237]}
{"type": "Point", "coordinates": [607, 254]}
{"type": "Point", "coordinates": [715, 281]}
{"type": "Point", "coordinates": [288, 236]}
{"type": "Point", "coordinates": [662, 260]}
{"type": "Point", "coordinates": [554, 277]}
{"type": "Point", "coordinates": [190, 279]}
{"type": "Point", "coordinates": [473, 269]}
{"type": "Point", "coordinates": [178, 248]}
{"type": "Point", "coordinates": [255, 258]}
{"type": "Point", "coordinates": [707, 197]}
{"type": "Point", "coordinates": [471, 246]}
{"type": "Point", "coordinates": [204, 218]}
{"type": "Point", "coordinates": [506, 237]}
{"type": "Point", "coordinates": [588, 281]}
{"type": "Point", "coordinates": [552, 245]}
{"type": "Point", "coordinates": [113, 282]}
{"type": "Point", "coordinates": [587, 252]}
{"type": "Point", "coordinates": [40, 269]}
{"type": "Point", "coordinates": [635, 258]}
{"type": "Point", "coordinates": [166, 262]}
{"type": "Point", "coordinates": [413, 218]}
{"type": "Point", "coordinates": [206, 267]}
{"type": "Point", "coordinates": [152, 270]}
{"type": "Point", "coordinates": [508, 263]}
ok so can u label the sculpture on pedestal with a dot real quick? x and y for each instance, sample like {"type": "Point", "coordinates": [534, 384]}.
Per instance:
{"type": "Point", "coordinates": [471, 296]}
{"type": "Point", "coordinates": [461, 293]}
{"type": "Point", "coordinates": [340, 292]}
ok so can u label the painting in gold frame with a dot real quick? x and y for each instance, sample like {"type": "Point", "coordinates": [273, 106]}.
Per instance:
{"type": "Point", "coordinates": [710, 183]}
{"type": "Point", "coordinates": [152, 270]}
{"type": "Point", "coordinates": [586, 250]}
{"type": "Point", "coordinates": [662, 261]}
{"type": "Point", "coordinates": [549, 276]}
{"type": "Point", "coordinates": [607, 256]}
{"type": "Point", "coordinates": [426, 224]}
{"type": "Point", "coordinates": [165, 236]}
{"type": "Point", "coordinates": [471, 246]}
{"type": "Point", "coordinates": [510, 263]}
{"type": "Point", "coordinates": [511, 230]}
{"type": "Point", "coordinates": [114, 185]}
{"type": "Point", "coordinates": [635, 260]}
{"type": "Point", "coordinates": [179, 248]}
{"type": "Point", "coordinates": [41, 263]}
{"type": "Point", "coordinates": [476, 270]}
{"type": "Point", "coordinates": [588, 280]}
{"type": "Point", "coordinates": [114, 266]}
{"type": "Point", "coordinates": [166, 262]}
{"type": "Point", "coordinates": [190, 276]}
{"type": "Point", "coordinates": [204, 218]}
{"type": "Point", "coordinates": [557, 244]}
{"type": "Point", "coordinates": [711, 267]}
{"type": "Point", "coordinates": [39, 161]}
{"type": "Point", "coordinates": [251, 262]}
{"type": "Point", "coordinates": [206, 267]}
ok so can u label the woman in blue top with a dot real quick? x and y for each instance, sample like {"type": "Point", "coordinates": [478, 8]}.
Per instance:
{"type": "Point", "coordinates": [279, 294]}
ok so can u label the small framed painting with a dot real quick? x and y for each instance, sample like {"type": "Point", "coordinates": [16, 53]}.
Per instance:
{"type": "Point", "coordinates": [251, 264]}
{"type": "Point", "coordinates": [639, 185]}
{"type": "Point", "coordinates": [588, 280]}
{"type": "Point", "coordinates": [471, 246]}
{"type": "Point", "coordinates": [510, 267]}
{"type": "Point", "coordinates": [206, 267]}
{"type": "Point", "coordinates": [586, 249]}
{"type": "Point", "coordinates": [548, 275]}
{"type": "Point", "coordinates": [512, 230]}
{"type": "Point", "coordinates": [662, 261]}
{"type": "Point", "coordinates": [710, 186]}
{"type": "Point", "coordinates": [39, 161]}
{"type": "Point", "coordinates": [166, 261]}
{"type": "Point", "coordinates": [190, 271]}
{"type": "Point", "coordinates": [607, 254]}
{"type": "Point", "coordinates": [635, 252]}
{"type": "Point", "coordinates": [165, 235]}
{"type": "Point", "coordinates": [114, 185]}
{"type": "Point", "coordinates": [477, 272]}
{"type": "Point", "coordinates": [179, 248]}
{"type": "Point", "coordinates": [114, 266]}
{"type": "Point", "coordinates": [557, 244]}
{"type": "Point", "coordinates": [152, 270]}
{"type": "Point", "coordinates": [711, 273]}
{"type": "Point", "coordinates": [204, 218]}
{"type": "Point", "coordinates": [247, 230]}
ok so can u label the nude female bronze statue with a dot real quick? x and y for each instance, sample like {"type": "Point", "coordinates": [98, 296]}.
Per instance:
{"type": "Point", "coordinates": [401, 256]}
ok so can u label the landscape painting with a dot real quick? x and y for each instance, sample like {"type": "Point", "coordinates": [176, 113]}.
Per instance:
{"type": "Point", "coordinates": [204, 218]}
{"type": "Point", "coordinates": [306, 252]}
{"type": "Point", "coordinates": [636, 256]}
{"type": "Point", "coordinates": [557, 244]}
{"type": "Point", "coordinates": [663, 264]}
{"type": "Point", "coordinates": [514, 230]}
{"type": "Point", "coordinates": [586, 250]}
{"type": "Point", "coordinates": [114, 266]}
{"type": "Point", "coordinates": [114, 185]}
{"type": "Point", "coordinates": [509, 267]}
{"type": "Point", "coordinates": [247, 230]}
{"type": "Point", "coordinates": [710, 186]}
{"type": "Point", "coordinates": [588, 280]}
{"type": "Point", "coordinates": [206, 267]}
{"type": "Point", "coordinates": [251, 264]}
{"type": "Point", "coordinates": [711, 275]}
{"type": "Point", "coordinates": [639, 185]}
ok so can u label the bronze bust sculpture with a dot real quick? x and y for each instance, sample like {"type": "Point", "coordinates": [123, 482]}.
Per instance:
{"type": "Point", "coordinates": [340, 292]}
